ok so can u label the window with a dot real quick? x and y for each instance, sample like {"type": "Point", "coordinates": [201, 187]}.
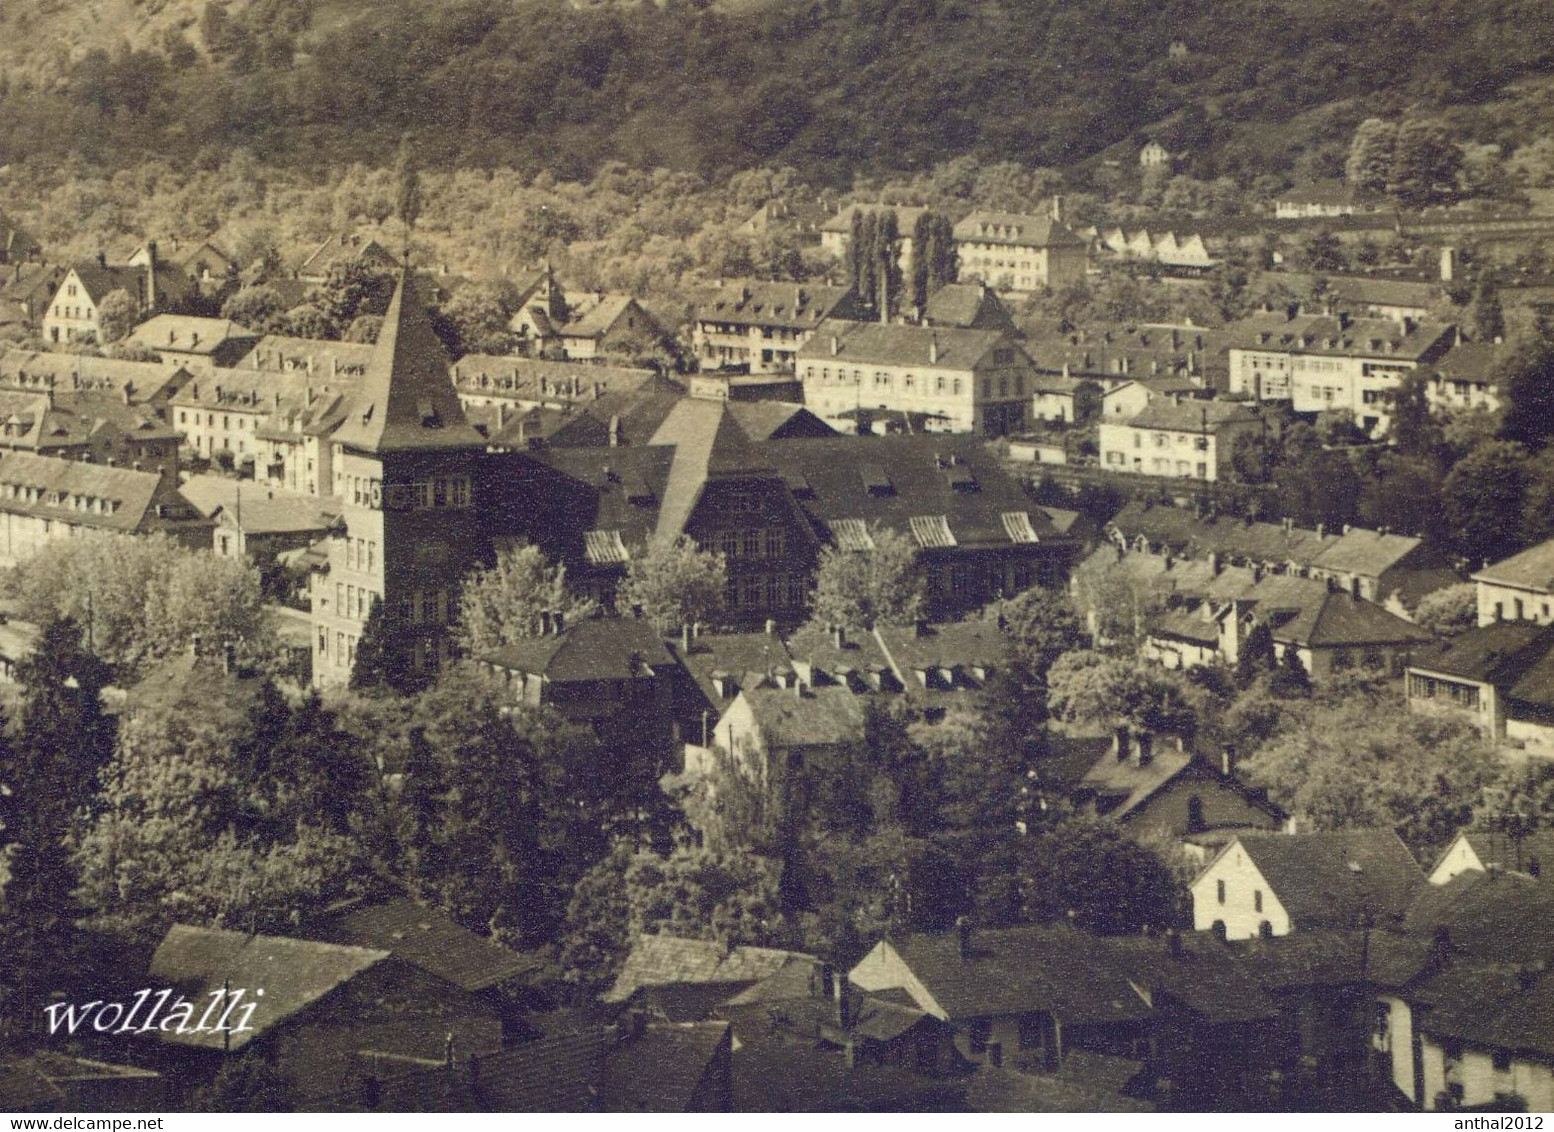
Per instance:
{"type": "Point", "coordinates": [459, 492]}
{"type": "Point", "coordinates": [1257, 900]}
{"type": "Point", "coordinates": [1219, 887]}
{"type": "Point", "coordinates": [1502, 1061]}
{"type": "Point", "coordinates": [776, 542]}
{"type": "Point", "coordinates": [729, 543]}
{"type": "Point", "coordinates": [752, 541]}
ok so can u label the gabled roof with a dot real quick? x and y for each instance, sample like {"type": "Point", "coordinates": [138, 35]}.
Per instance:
{"type": "Point", "coordinates": [824, 716]}
{"type": "Point", "coordinates": [767, 420]}
{"type": "Point", "coordinates": [538, 379]}
{"type": "Point", "coordinates": [407, 402]}
{"type": "Point", "coordinates": [187, 334]}
{"type": "Point", "coordinates": [1193, 415]}
{"type": "Point", "coordinates": [734, 654]}
{"type": "Point", "coordinates": [610, 648]}
{"type": "Point", "coordinates": [294, 973]}
{"type": "Point", "coordinates": [1330, 879]}
{"type": "Point", "coordinates": [427, 939]}
{"type": "Point", "coordinates": [1495, 1005]}
{"type": "Point", "coordinates": [899, 344]}
{"type": "Point", "coordinates": [259, 509]}
{"type": "Point", "coordinates": [1121, 785]}
{"type": "Point", "coordinates": [1496, 654]}
{"type": "Point", "coordinates": [1307, 613]}
{"type": "Point", "coordinates": [120, 500]}
{"type": "Point", "coordinates": [661, 1069]}
{"type": "Point", "coordinates": [1532, 569]}
{"type": "Point", "coordinates": [660, 960]}
{"type": "Point", "coordinates": [1495, 916]}
{"type": "Point", "coordinates": [322, 359]}
{"type": "Point", "coordinates": [707, 441]}
{"type": "Point", "coordinates": [987, 227]}
{"type": "Point", "coordinates": [597, 318]}
{"type": "Point", "coordinates": [139, 381]}
{"type": "Point", "coordinates": [967, 305]}
{"type": "Point", "coordinates": [1330, 192]}
{"type": "Point", "coordinates": [793, 306]}
{"type": "Point", "coordinates": [1367, 553]}
{"type": "Point", "coordinates": [906, 217]}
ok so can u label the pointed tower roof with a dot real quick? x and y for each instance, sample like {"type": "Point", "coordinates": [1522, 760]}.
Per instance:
{"type": "Point", "coordinates": [407, 401]}
{"type": "Point", "coordinates": [708, 442]}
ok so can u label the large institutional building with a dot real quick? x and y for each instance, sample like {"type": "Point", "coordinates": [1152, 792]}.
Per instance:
{"type": "Point", "coordinates": [425, 499]}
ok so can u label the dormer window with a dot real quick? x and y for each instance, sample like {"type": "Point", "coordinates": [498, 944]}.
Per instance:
{"type": "Point", "coordinates": [427, 412]}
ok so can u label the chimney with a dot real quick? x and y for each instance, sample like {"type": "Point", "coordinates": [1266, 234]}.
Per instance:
{"type": "Point", "coordinates": [615, 430]}
{"type": "Point", "coordinates": [771, 627]}
{"type": "Point", "coordinates": [558, 622]}
{"type": "Point", "coordinates": [834, 345]}
{"type": "Point", "coordinates": [963, 931]}
{"type": "Point", "coordinates": [1057, 209]}
{"type": "Point", "coordinates": [1143, 749]}
{"type": "Point", "coordinates": [1213, 563]}
{"type": "Point", "coordinates": [1321, 530]}
{"type": "Point", "coordinates": [685, 638]}
{"type": "Point", "coordinates": [839, 636]}
{"type": "Point", "coordinates": [1448, 264]}
{"type": "Point", "coordinates": [1120, 743]}
{"type": "Point", "coordinates": [995, 1054]}
{"type": "Point", "coordinates": [102, 259]}
{"type": "Point", "coordinates": [151, 275]}
{"type": "Point", "coordinates": [920, 627]}
{"type": "Point", "coordinates": [1174, 941]}
{"type": "Point", "coordinates": [933, 348]}
{"type": "Point", "coordinates": [1227, 760]}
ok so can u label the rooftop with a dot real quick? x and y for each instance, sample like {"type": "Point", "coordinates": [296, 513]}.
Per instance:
{"type": "Point", "coordinates": [1532, 569]}
{"type": "Point", "coordinates": [899, 344]}
{"type": "Point", "coordinates": [427, 939]}
{"type": "Point", "coordinates": [1331, 879]}
{"type": "Point", "coordinates": [1016, 230]}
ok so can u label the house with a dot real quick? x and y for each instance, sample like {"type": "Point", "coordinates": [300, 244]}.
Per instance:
{"type": "Point", "coordinates": [260, 522]}
{"type": "Point", "coordinates": [956, 380]}
{"type": "Point", "coordinates": [1277, 883]}
{"type": "Point", "coordinates": [1191, 440]}
{"type": "Point", "coordinates": [1185, 255]}
{"type": "Point", "coordinates": [601, 326]}
{"type": "Point", "coordinates": [937, 663]}
{"type": "Point", "coordinates": [1113, 354]}
{"type": "Point", "coordinates": [328, 1009]}
{"type": "Point", "coordinates": [324, 361]}
{"type": "Point", "coordinates": [611, 674]}
{"type": "Point", "coordinates": [1372, 565]}
{"type": "Point", "coordinates": [207, 264]}
{"type": "Point", "coordinates": [1326, 199]}
{"type": "Point", "coordinates": [342, 250]}
{"type": "Point", "coordinates": [1019, 253]}
{"type": "Point", "coordinates": [1500, 676]}
{"type": "Point", "coordinates": [1326, 362]}
{"type": "Point", "coordinates": [248, 416]}
{"type": "Point", "coordinates": [46, 1081]}
{"type": "Point", "coordinates": [837, 230]}
{"type": "Point", "coordinates": [497, 389]}
{"type": "Point", "coordinates": [1330, 631]}
{"type": "Point", "coordinates": [195, 343]}
{"type": "Point", "coordinates": [774, 730]}
{"type": "Point", "coordinates": [152, 285]}
{"type": "Point", "coordinates": [1485, 1039]}
{"type": "Point", "coordinates": [662, 960]}
{"type": "Point", "coordinates": [26, 289]}
{"type": "Point", "coordinates": [90, 427]}
{"type": "Point", "coordinates": [43, 498]}
{"type": "Point", "coordinates": [967, 306]}
{"type": "Point", "coordinates": [758, 328]}
{"type": "Point", "coordinates": [1518, 588]}
{"type": "Point", "coordinates": [1466, 377]}
{"type": "Point", "coordinates": [731, 385]}
{"type": "Point", "coordinates": [1040, 999]}
{"type": "Point", "coordinates": [150, 384]}
{"type": "Point", "coordinates": [1484, 850]}
{"type": "Point", "coordinates": [1153, 155]}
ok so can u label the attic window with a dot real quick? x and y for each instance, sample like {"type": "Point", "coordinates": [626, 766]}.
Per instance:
{"type": "Point", "coordinates": [961, 478]}
{"type": "Point", "coordinates": [875, 481]}
{"type": "Point", "coordinates": [851, 534]}
{"type": "Point", "coordinates": [603, 547]}
{"type": "Point", "coordinates": [798, 483]}
{"type": "Point", "coordinates": [1017, 525]}
{"type": "Point", "coordinates": [932, 531]}
{"type": "Point", "coordinates": [427, 412]}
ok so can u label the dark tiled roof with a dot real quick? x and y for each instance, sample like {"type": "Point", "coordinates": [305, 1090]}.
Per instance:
{"type": "Point", "coordinates": [1532, 569]}
{"type": "Point", "coordinates": [1325, 958]}
{"type": "Point", "coordinates": [1495, 849]}
{"type": "Point", "coordinates": [318, 358]}
{"type": "Point", "coordinates": [1016, 230]}
{"type": "Point", "coordinates": [1332, 878]}
{"type": "Point", "coordinates": [261, 510]}
{"type": "Point", "coordinates": [659, 960]}
{"type": "Point", "coordinates": [1496, 654]}
{"type": "Point", "coordinates": [764, 420]}
{"type": "Point", "coordinates": [537, 379]}
{"type": "Point", "coordinates": [294, 973]}
{"type": "Point", "coordinates": [660, 1070]}
{"type": "Point", "coordinates": [406, 401]}
{"type": "Point", "coordinates": [1340, 336]}
{"type": "Point", "coordinates": [967, 305]}
{"type": "Point", "coordinates": [70, 490]}
{"type": "Point", "coordinates": [1307, 613]}
{"type": "Point", "coordinates": [735, 654]}
{"type": "Point", "coordinates": [957, 644]}
{"type": "Point", "coordinates": [1473, 361]}
{"type": "Point", "coordinates": [824, 716]}
{"type": "Point", "coordinates": [557, 1074]}
{"type": "Point", "coordinates": [1123, 786]}
{"type": "Point", "coordinates": [898, 344]}
{"type": "Point", "coordinates": [1503, 1007]}
{"type": "Point", "coordinates": [1193, 415]}
{"type": "Point", "coordinates": [144, 381]}
{"type": "Point", "coordinates": [609, 648]}
{"type": "Point", "coordinates": [794, 306]}
{"type": "Point", "coordinates": [429, 940]}
{"type": "Point", "coordinates": [1330, 192]}
{"type": "Point", "coordinates": [187, 334]}
{"type": "Point", "coordinates": [1367, 553]}
{"type": "Point", "coordinates": [1492, 916]}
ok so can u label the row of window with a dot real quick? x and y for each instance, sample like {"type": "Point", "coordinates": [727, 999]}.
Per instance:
{"type": "Point", "coordinates": [354, 601]}
{"type": "Point", "coordinates": [91, 504]}
{"type": "Point", "coordinates": [1257, 896]}
{"type": "Point", "coordinates": [755, 542]}
{"type": "Point", "coordinates": [768, 591]}
{"type": "Point", "coordinates": [438, 493]}
{"type": "Point", "coordinates": [360, 554]}
{"type": "Point", "coordinates": [244, 423]}
{"type": "Point", "coordinates": [425, 607]}
{"type": "Point", "coordinates": [1430, 688]}
{"type": "Point", "coordinates": [425, 656]}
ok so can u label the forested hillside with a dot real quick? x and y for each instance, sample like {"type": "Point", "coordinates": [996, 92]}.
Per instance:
{"type": "Point", "coordinates": [828, 87]}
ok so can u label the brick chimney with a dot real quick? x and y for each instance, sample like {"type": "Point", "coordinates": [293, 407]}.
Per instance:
{"type": "Point", "coordinates": [151, 295]}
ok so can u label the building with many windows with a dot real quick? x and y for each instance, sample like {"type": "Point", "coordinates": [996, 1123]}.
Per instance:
{"type": "Point", "coordinates": [1187, 439]}
{"type": "Point", "coordinates": [948, 379]}
{"type": "Point", "coordinates": [1011, 252]}
{"type": "Point", "coordinates": [759, 327]}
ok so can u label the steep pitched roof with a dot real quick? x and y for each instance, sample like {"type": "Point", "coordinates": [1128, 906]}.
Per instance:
{"type": "Point", "coordinates": [1307, 613]}
{"type": "Point", "coordinates": [1496, 654]}
{"type": "Point", "coordinates": [707, 441]}
{"type": "Point", "coordinates": [967, 305]}
{"type": "Point", "coordinates": [1532, 569]}
{"type": "Point", "coordinates": [1016, 230]}
{"type": "Point", "coordinates": [1499, 1006]}
{"type": "Point", "coordinates": [823, 716]}
{"type": "Point", "coordinates": [407, 402]}
{"type": "Point", "coordinates": [793, 306]}
{"type": "Point", "coordinates": [610, 648]}
{"type": "Point", "coordinates": [1332, 878]}
{"type": "Point", "coordinates": [187, 334]}
{"type": "Point", "coordinates": [1514, 854]}
{"type": "Point", "coordinates": [1367, 553]}
{"type": "Point", "coordinates": [429, 940]}
{"type": "Point", "coordinates": [261, 510]}
{"type": "Point", "coordinates": [661, 1069]}
{"type": "Point", "coordinates": [1493, 916]}
{"type": "Point", "coordinates": [294, 973]}
{"type": "Point", "coordinates": [659, 960]}
{"type": "Point", "coordinates": [120, 500]}
{"type": "Point", "coordinates": [1193, 415]}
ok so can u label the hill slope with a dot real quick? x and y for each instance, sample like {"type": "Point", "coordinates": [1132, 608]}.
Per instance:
{"type": "Point", "coordinates": [828, 86]}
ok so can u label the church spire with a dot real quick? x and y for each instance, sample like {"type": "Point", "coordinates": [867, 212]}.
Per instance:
{"type": "Point", "coordinates": [407, 401]}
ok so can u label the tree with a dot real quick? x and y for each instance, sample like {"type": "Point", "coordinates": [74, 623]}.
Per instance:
{"type": "Point", "coordinates": [363, 328]}
{"type": "Point", "coordinates": [509, 600]}
{"type": "Point", "coordinates": [859, 589]}
{"type": "Point", "coordinates": [258, 307]}
{"type": "Point", "coordinates": [249, 1082]}
{"type": "Point", "coordinates": [1324, 252]}
{"type": "Point", "coordinates": [1257, 655]}
{"type": "Point", "coordinates": [1448, 611]}
{"type": "Point", "coordinates": [1425, 161]}
{"type": "Point", "coordinates": [1093, 689]}
{"type": "Point", "coordinates": [1040, 625]}
{"type": "Point", "coordinates": [1078, 871]}
{"type": "Point", "coordinates": [1367, 761]}
{"type": "Point", "coordinates": [116, 315]}
{"type": "Point", "coordinates": [1412, 429]}
{"type": "Point", "coordinates": [675, 584]}
{"type": "Point", "coordinates": [922, 234]}
{"type": "Point", "coordinates": [407, 193]}
{"type": "Point", "coordinates": [47, 772]}
{"type": "Point", "coordinates": [1290, 679]}
{"type": "Point", "coordinates": [1525, 381]}
{"type": "Point", "coordinates": [1486, 486]}
{"type": "Point", "coordinates": [1487, 316]}
{"type": "Point", "coordinates": [479, 313]}
{"type": "Point", "coordinates": [1371, 155]}
{"type": "Point", "coordinates": [382, 662]}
